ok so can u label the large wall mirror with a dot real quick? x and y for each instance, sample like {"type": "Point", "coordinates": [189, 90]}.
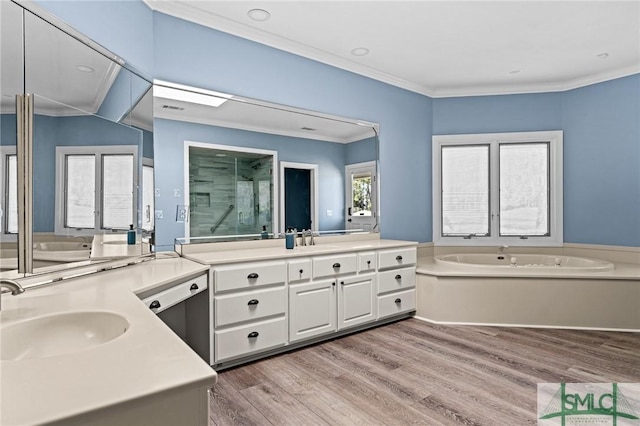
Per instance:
{"type": "Point", "coordinates": [236, 168]}
{"type": "Point", "coordinates": [89, 136]}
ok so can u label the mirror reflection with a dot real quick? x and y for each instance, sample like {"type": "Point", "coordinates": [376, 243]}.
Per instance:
{"type": "Point", "coordinates": [252, 166]}
{"type": "Point", "coordinates": [92, 136]}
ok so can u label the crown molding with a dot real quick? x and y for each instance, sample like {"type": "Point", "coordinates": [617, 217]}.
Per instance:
{"type": "Point", "coordinates": [211, 20]}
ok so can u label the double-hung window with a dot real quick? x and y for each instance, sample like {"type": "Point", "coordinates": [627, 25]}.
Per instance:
{"type": "Point", "coordinates": [96, 188]}
{"type": "Point", "coordinates": [501, 188]}
{"type": "Point", "coordinates": [9, 190]}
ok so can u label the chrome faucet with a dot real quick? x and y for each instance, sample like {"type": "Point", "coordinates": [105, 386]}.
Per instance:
{"type": "Point", "coordinates": [12, 285]}
{"type": "Point", "coordinates": [311, 240]}
{"type": "Point", "coordinates": [303, 237]}
{"type": "Point", "coordinates": [502, 248]}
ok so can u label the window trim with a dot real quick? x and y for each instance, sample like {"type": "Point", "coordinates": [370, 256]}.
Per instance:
{"type": "Point", "coordinates": [555, 140]}
{"type": "Point", "coordinates": [5, 151]}
{"type": "Point", "coordinates": [61, 153]}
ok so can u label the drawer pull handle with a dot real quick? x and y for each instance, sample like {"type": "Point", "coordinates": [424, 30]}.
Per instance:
{"type": "Point", "coordinates": [398, 277]}
{"type": "Point", "coordinates": [301, 271]}
{"type": "Point", "coordinates": [252, 276]}
{"type": "Point", "coordinates": [154, 305]}
{"type": "Point", "coordinates": [341, 282]}
{"type": "Point", "coordinates": [336, 265]}
{"type": "Point", "coordinates": [194, 286]}
{"type": "Point", "coordinates": [368, 263]}
{"type": "Point", "coordinates": [399, 258]}
{"type": "Point", "coordinates": [253, 335]}
{"type": "Point", "coordinates": [253, 302]}
{"type": "Point", "coordinates": [398, 300]}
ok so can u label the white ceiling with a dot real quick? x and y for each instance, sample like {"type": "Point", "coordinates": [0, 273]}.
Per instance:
{"type": "Point", "coordinates": [444, 48]}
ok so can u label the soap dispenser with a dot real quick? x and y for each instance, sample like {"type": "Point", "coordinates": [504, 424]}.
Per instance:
{"type": "Point", "coordinates": [131, 235]}
{"type": "Point", "coordinates": [264, 234]}
{"type": "Point", "coordinates": [289, 239]}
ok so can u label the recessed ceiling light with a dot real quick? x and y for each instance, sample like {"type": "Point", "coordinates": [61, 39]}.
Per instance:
{"type": "Point", "coordinates": [84, 68]}
{"type": "Point", "coordinates": [259, 15]}
{"type": "Point", "coordinates": [360, 51]}
{"type": "Point", "coordinates": [603, 55]}
{"type": "Point", "coordinates": [515, 71]}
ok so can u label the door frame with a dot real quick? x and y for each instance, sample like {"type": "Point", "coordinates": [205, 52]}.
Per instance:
{"type": "Point", "coordinates": [375, 191]}
{"type": "Point", "coordinates": [314, 191]}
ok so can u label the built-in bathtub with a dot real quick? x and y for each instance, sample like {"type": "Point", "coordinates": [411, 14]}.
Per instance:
{"type": "Point", "coordinates": [541, 262]}
{"type": "Point", "coordinates": [538, 291]}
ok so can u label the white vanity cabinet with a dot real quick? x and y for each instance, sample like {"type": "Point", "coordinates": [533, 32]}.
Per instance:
{"type": "Point", "coordinates": [249, 309]}
{"type": "Point", "coordinates": [337, 297]}
{"type": "Point", "coordinates": [258, 308]}
{"type": "Point", "coordinates": [396, 281]}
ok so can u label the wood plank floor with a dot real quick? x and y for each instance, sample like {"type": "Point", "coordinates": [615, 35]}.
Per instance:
{"type": "Point", "coordinates": [412, 372]}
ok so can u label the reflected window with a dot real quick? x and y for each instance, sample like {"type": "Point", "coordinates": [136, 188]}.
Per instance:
{"type": "Point", "coordinates": [95, 188]}
{"type": "Point", "coordinates": [9, 186]}
{"type": "Point", "coordinates": [148, 195]}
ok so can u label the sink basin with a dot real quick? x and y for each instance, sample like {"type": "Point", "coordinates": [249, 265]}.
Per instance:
{"type": "Point", "coordinates": [59, 334]}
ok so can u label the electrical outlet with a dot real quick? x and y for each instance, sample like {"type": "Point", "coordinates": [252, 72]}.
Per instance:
{"type": "Point", "coordinates": [177, 193]}
{"type": "Point", "coordinates": [159, 214]}
{"type": "Point", "coordinates": [182, 213]}
{"type": "Point", "coordinates": [329, 212]}
{"type": "Point", "coordinates": [157, 192]}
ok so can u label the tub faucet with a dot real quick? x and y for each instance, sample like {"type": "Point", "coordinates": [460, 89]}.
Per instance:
{"type": "Point", "coordinates": [12, 285]}
{"type": "Point", "coordinates": [502, 248]}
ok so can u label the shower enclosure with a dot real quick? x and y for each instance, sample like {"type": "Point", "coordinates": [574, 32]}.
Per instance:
{"type": "Point", "coordinates": [230, 192]}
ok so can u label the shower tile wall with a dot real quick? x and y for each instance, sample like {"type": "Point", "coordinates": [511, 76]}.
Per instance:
{"type": "Point", "coordinates": [225, 194]}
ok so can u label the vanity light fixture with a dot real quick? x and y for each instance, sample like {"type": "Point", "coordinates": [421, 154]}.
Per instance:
{"type": "Point", "coordinates": [259, 15]}
{"type": "Point", "coordinates": [180, 92]}
{"type": "Point", "coordinates": [603, 55]}
{"type": "Point", "coordinates": [360, 51]}
{"type": "Point", "coordinates": [85, 68]}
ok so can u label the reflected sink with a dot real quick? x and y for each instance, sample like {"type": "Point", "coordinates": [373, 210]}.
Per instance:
{"type": "Point", "coordinates": [59, 334]}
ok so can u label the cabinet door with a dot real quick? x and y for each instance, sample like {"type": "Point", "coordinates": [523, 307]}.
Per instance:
{"type": "Point", "coordinates": [356, 300]}
{"type": "Point", "coordinates": [312, 309]}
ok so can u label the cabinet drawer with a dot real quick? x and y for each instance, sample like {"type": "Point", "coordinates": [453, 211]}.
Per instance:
{"type": "Point", "coordinates": [397, 257]}
{"type": "Point", "coordinates": [174, 295]}
{"type": "Point", "coordinates": [248, 275]}
{"type": "Point", "coordinates": [299, 270]}
{"type": "Point", "coordinates": [250, 338]}
{"type": "Point", "coordinates": [396, 279]}
{"type": "Point", "coordinates": [250, 305]}
{"type": "Point", "coordinates": [326, 266]}
{"type": "Point", "coordinates": [396, 303]}
{"type": "Point", "coordinates": [367, 262]}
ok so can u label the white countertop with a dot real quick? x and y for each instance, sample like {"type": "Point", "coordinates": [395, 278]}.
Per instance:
{"type": "Point", "coordinates": [622, 271]}
{"type": "Point", "coordinates": [271, 253]}
{"type": "Point", "coordinates": [147, 359]}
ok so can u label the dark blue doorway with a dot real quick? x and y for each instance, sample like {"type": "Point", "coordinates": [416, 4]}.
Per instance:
{"type": "Point", "coordinates": [297, 198]}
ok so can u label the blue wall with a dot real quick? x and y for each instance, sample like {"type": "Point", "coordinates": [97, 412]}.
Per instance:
{"type": "Point", "coordinates": [171, 135]}
{"type": "Point", "coordinates": [601, 149]}
{"type": "Point", "coordinates": [602, 163]}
